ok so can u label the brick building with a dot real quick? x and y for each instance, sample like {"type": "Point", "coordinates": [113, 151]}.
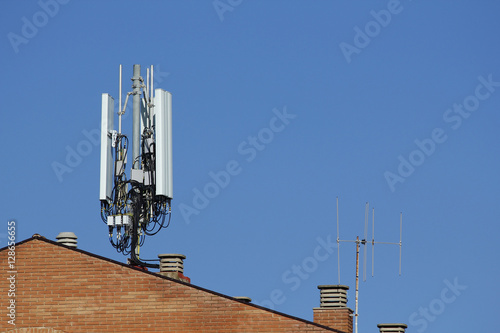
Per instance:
{"type": "Point", "coordinates": [59, 288]}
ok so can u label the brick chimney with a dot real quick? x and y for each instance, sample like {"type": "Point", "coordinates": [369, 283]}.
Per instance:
{"type": "Point", "coordinates": [172, 265]}
{"type": "Point", "coordinates": [333, 311]}
{"type": "Point", "coordinates": [392, 328]}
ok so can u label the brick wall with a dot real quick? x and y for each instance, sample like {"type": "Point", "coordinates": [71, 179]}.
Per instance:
{"type": "Point", "coordinates": [338, 318]}
{"type": "Point", "coordinates": [61, 289]}
{"type": "Point", "coordinates": [35, 330]}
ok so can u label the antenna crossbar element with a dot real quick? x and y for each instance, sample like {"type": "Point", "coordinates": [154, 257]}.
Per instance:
{"type": "Point", "coordinates": [386, 243]}
{"type": "Point", "coordinates": [348, 241]}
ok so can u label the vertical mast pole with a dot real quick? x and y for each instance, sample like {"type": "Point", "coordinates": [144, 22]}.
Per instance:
{"type": "Point", "coordinates": [373, 241]}
{"type": "Point", "coordinates": [136, 112]}
{"type": "Point", "coordinates": [400, 239]}
{"type": "Point", "coordinates": [120, 103]}
{"type": "Point", "coordinates": [151, 90]}
{"type": "Point", "coordinates": [357, 286]}
{"type": "Point", "coordinates": [338, 241]}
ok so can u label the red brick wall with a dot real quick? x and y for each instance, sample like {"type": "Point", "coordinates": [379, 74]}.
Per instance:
{"type": "Point", "coordinates": [65, 290]}
{"type": "Point", "coordinates": [338, 318]}
{"type": "Point", "coordinates": [35, 330]}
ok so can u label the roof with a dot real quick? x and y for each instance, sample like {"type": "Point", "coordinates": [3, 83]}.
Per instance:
{"type": "Point", "coordinates": [83, 266]}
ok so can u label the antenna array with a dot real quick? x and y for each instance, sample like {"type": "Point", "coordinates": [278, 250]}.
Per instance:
{"type": "Point", "coordinates": [364, 242]}
{"type": "Point", "coordinates": [137, 205]}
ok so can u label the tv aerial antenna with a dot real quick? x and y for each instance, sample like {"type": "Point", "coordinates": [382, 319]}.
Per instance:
{"type": "Point", "coordinates": [364, 242]}
{"type": "Point", "coordinates": [137, 205]}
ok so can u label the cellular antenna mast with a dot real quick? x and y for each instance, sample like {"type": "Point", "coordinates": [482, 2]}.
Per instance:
{"type": "Point", "coordinates": [364, 242]}
{"type": "Point", "coordinates": [137, 205]}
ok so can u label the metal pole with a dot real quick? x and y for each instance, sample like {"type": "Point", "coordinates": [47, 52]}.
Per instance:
{"type": "Point", "coordinates": [373, 241]}
{"type": "Point", "coordinates": [357, 286]}
{"type": "Point", "coordinates": [151, 91]}
{"type": "Point", "coordinates": [338, 241]}
{"type": "Point", "coordinates": [120, 102]}
{"type": "Point", "coordinates": [400, 239]}
{"type": "Point", "coordinates": [136, 111]}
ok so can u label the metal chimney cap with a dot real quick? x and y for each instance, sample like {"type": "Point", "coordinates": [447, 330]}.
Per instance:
{"type": "Point", "coordinates": [392, 325]}
{"type": "Point", "coordinates": [392, 328]}
{"type": "Point", "coordinates": [333, 286]}
{"type": "Point", "coordinates": [333, 296]}
{"type": "Point", "coordinates": [67, 238]}
{"type": "Point", "coordinates": [171, 255]}
{"type": "Point", "coordinates": [66, 234]}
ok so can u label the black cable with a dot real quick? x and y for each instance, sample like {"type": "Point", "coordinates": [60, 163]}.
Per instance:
{"type": "Point", "coordinates": [148, 211]}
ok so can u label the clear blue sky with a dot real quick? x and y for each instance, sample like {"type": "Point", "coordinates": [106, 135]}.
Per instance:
{"type": "Point", "coordinates": [392, 102]}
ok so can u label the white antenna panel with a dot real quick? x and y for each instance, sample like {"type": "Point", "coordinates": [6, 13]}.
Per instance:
{"type": "Point", "coordinates": [163, 136]}
{"type": "Point", "coordinates": [106, 185]}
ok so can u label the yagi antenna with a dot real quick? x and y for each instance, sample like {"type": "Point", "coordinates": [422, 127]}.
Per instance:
{"type": "Point", "coordinates": [363, 242]}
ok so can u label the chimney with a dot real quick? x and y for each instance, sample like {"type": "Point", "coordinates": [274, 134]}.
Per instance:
{"type": "Point", "coordinates": [333, 311]}
{"type": "Point", "coordinates": [67, 238]}
{"type": "Point", "coordinates": [392, 328]}
{"type": "Point", "coordinates": [172, 266]}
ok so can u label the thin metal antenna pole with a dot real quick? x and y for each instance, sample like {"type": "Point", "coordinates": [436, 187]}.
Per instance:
{"type": "Point", "coordinates": [151, 114]}
{"type": "Point", "coordinates": [400, 239]}
{"type": "Point", "coordinates": [357, 286]}
{"type": "Point", "coordinates": [364, 241]}
{"type": "Point", "coordinates": [136, 112]}
{"type": "Point", "coordinates": [373, 241]}
{"type": "Point", "coordinates": [338, 241]}
{"type": "Point", "coordinates": [120, 103]}
{"type": "Point", "coordinates": [146, 97]}
{"type": "Point", "coordinates": [147, 85]}
{"type": "Point", "coordinates": [152, 81]}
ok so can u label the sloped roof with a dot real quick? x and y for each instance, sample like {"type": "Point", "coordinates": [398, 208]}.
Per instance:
{"type": "Point", "coordinates": [87, 260]}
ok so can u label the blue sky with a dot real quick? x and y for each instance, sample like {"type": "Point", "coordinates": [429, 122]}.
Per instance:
{"type": "Point", "coordinates": [391, 102]}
